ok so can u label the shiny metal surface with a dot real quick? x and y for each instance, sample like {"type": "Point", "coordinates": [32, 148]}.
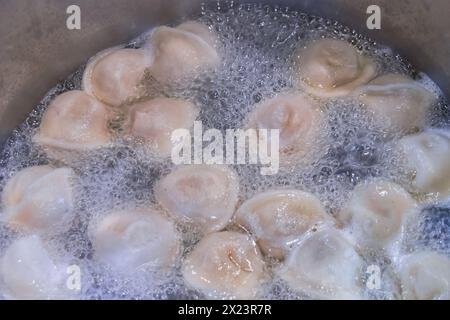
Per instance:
{"type": "Point", "coordinates": [37, 50]}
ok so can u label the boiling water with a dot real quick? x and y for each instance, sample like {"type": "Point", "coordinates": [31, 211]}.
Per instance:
{"type": "Point", "coordinates": [257, 43]}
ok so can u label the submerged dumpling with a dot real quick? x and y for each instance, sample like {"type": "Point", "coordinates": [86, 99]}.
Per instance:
{"type": "Point", "coordinates": [427, 156]}
{"type": "Point", "coordinates": [29, 272]}
{"type": "Point", "coordinates": [425, 276]}
{"type": "Point", "coordinates": [398, 102]}
{"type": "Point", "coordinates": [74, 121]}
{"type": "Point", "coordinates": [154, 120]}
{"type": "Point", "coordinates": [278, 219]}
{"type": "Point", "coordinates": [330, 68]}
{"type": "Point", "coordinates": [324, 265]}
{"type": "Point", "coordinates": [39, 199]}
{"type": "Point", "coordinates": [376, 213]}
{"type": "Point", "coordinates": [135, 239]}
{"type": "Point", "coordinates": [205, 195]}
{"type": "Point", "coordinates": [182, 51]}
{"type": "Point", "coordinates": [225, 264]}
{"type": "Point", "coordinates": [299, 120]}
{"type": "Point", "coordinates": [113, 75]}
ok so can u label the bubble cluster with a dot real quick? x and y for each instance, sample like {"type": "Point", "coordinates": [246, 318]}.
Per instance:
{"type": "Point", "coordinates": [256, 44]}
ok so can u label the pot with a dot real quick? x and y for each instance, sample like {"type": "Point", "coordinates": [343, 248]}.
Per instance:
{"type": "Point", "coordinates": [38, 50]}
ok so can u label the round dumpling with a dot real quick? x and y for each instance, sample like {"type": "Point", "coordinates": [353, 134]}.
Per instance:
{"type": "Point", "coordinates": [330, 68]}
{"type": "Point", "coordinates": [299, 120]}
{"type": "Point", "coordinates": [39, 199]}
{"type": "Point", "coordinates": [182, 52]}
{"type": "Point", "coordinates": [278, 219]}
{"type": "Point", "coordinates": [425, 275]}
{"type": "Point", "coordinates": [376, 213]}
{"type": "Point", "coordinates": [205, 195]}
{"type": "Point", "coordinates": [427, 156]}
{"type": "Point", "coordinates": [324, 265]}
{"type": "Point", "coordinates": [74, 121]}
{"type": "Point", "coordinates": [154, 120]}
{"type": "Point", "coordinates": [135, 239]}
{"type": "Point", "coordinates": [226, 265]}
{"type": "Point", "coordinates": [201, 31]}
{"type": "Point", "coordinates": [29, 272]}
{"type": "Point", "coordinates": [113, 75]}
{"type": "Point", "coordinates": [398, 102]}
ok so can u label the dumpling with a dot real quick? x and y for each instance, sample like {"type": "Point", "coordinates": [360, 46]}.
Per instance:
{"type": "Point", "coordinates": [135, 240]}
{"type": "Point", "coordinates": [331, 68]}
{"type": "Point", "coordinates": [201, 31]}
{"type": "Point", "coordinates": [324, 265]}
{"type": "Point", "coordinates": [182, 52]}
{"type": "Point", "coordinates": [29, 272]}
{"type": "Point", "coordinates": [74, 121]}
{"type": "Point", "coordinates": [113, 75]}
{"type": "Point", "coordinates": [225, 265]}
{"type": "Point", "coordinates": [279, 218]}
{"type": "Point", "coordinates": [299, 120]}
{"type": "Point", "coordinates": [399, 103]}
{"type": "Point", "coordinates": [39, 199]}
{"type": "Point", "coordinates": [154, 120]}
{"type": "Point", "coordinates": [377, 212]}
{"type": "Point", "coordinates": [425, 275]}
{"type": "Point", "coordinates": [205, 195]}
{"type": "Point", "coordinates": [427, 156]}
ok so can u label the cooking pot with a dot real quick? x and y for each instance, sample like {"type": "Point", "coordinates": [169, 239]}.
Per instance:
{"type": "Point", "coordinates": [37, 50]}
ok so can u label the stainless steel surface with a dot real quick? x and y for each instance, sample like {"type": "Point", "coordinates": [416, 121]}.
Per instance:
{"type": "Point", "coordinates": [37, 50]}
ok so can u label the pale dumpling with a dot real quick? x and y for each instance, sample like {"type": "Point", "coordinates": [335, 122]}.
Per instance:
{"type": "Point", "coordinates": [330, 68]}
{"type": "Point", "coordinates": [74, 121]}
{"type": "Point", "coordinates": [113, 75]}
{"type": "Point", "coordinates": [225, 265]}
{"type": "Point", "coordinates": [205, 195]}
{"type": "Point", "coordinates": [39, 199]}
{"type": "Point", "coordinates": [399, 103]}
{"type": "Point", "coordinates": [130, 240]}
{"type": "Point", "coordinates": [29, 272]}
{"type": "Point", "coordinates": [427, 157]}
{"type": "Point", "coordinates": [324, 265]}
{"type": "Point", "coordinates": [279, 218]}
{"type": "Point", "coordinates": [201, 31]}
{"type": "Point", "coordinates": [154, 120]}
{"type": "Point", "coordinates": [377, 213]}
{"type": "Point", "coordinates": [299, 120]}
{"type": "Point", "coordinates": [182, 52]}
{"type": "Point", "coordinates": [425, 275]}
